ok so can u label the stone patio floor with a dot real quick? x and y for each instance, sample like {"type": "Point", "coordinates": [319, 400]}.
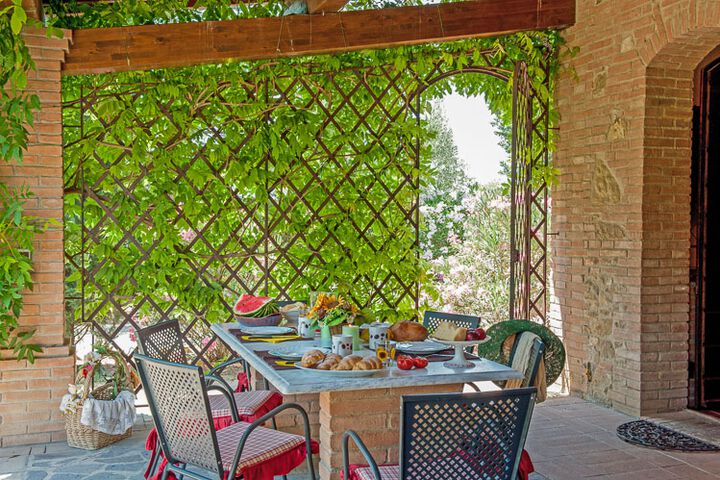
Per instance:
{"type": "Point", "coordinates": [569, 439]}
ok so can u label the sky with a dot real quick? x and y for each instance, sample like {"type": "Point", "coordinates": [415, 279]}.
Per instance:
{"type": "Point", "coordinates": [471, 123]}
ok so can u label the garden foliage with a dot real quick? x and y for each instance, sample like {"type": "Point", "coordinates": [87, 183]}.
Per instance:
{"type": "Point", "coordinates": [186, 187]}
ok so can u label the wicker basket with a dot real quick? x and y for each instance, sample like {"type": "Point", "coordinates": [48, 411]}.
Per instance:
{"type": "Point", "coordinates": [82, 436]}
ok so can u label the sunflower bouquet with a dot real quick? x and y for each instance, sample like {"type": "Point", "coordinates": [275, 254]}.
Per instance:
{"type": "Point", "coordinates": [332, 310]}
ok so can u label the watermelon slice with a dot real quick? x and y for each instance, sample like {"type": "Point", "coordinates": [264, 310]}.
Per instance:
{"type": "Point", "coordinates": [256, 307]}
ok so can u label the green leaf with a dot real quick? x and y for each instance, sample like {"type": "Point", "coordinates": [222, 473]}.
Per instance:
{"type": "Point", "coordinates": [18, 19]}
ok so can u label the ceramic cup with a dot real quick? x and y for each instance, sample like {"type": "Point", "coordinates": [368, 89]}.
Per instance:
{"type": "Point", "coordinates": [378, 335]}
{"type": "Point", "coordinates": [303, 327]}
{"type": "Point", "coordinates": [342, 345]}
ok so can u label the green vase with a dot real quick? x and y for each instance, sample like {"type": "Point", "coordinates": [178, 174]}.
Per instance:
{"type": "Point", "coordinates": [325, 337]}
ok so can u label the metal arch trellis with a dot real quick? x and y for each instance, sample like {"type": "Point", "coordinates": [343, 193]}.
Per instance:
{"type": "Point", "coordinates": [528, 196]}
{"type": "Point", "coordinates": [529, 200]}
{"type": "Point", "coordinates": [355, 113]}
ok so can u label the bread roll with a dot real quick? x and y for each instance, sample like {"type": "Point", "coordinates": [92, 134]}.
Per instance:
{"type": "Point", "coordinates": [348, 363]}
{"type": "Point", "coordinates": [330, 361]}
{"type": "Point", "coordinates": [407, 331]}
{"type": "Point", "coordinates": [369, 363]}
{"type": "Point", "coordinates": [312, 358]}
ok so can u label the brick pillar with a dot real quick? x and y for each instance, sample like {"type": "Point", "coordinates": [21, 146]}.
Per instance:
{"type": "Point", "coordinates": [30, 393]}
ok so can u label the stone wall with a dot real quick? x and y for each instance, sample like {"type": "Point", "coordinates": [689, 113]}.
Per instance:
{"type": "Point", "coordinates": [30, 393]}
{"type": "Point", "coordinates": [622, 207]}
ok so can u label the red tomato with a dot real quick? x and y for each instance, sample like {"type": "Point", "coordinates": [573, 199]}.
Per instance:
{"type": "Point", "coordinates": [405, 363]}
{"type": "Point", "coordinates": [420, 362]}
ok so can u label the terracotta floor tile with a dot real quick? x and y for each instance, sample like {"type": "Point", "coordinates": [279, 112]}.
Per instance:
{"type": "Point", "coordinates": [575, 440]}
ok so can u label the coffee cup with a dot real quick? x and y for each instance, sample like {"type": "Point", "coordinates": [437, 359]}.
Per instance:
{"type": "Point", "coordinates": [303, 327]}
{"type": "Point", "coordinates": [378, 335]}
{"type": "Point", "coordinates": [342, 345]}
{"type": "Point", "coordinates": [354, 331]}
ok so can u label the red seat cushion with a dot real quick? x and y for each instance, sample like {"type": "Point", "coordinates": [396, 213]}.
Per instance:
{"type": "Point", "coordinates": [248, 404]}
{"type": "Point", "coordinates": [387, 472]}
{"type": "Point", "coordinates": [263, 444]}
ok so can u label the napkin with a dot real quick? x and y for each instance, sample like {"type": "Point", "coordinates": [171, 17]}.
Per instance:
{"type": "Point", "coordinates": [284, 363]}
{"type": "Point", "coordinates": [275, 339]}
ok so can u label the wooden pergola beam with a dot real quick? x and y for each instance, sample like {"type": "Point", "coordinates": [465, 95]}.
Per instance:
{"type": "Point", "coordinates": [146, 47]}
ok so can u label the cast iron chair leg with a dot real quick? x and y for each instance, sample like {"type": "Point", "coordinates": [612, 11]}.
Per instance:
{"type": "Point", "coordinates": [350, 434]}
{"type": "Point", "coordinates": [267, 387]}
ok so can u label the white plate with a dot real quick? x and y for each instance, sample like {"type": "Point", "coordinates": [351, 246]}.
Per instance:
{"type": "Point", "coordinates": [461, 343]}
{"type": "Point", "coordinates": [420, 348]}
{"type": "Point", "coordinates": [294, 354]}
{"type": "Point", "coordinates": [341, 373]}
{"type": "Point", "coordinates": [266, 330]}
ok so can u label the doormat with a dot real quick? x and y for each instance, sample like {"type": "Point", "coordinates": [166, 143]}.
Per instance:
{"type": "Point", "coordinates": [648, 434]}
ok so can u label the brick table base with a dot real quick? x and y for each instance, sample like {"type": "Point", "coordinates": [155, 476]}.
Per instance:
{"type": "Point", "coordinates": [373, 414]}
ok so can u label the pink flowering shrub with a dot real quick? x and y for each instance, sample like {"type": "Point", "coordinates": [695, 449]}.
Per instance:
{"type": "Point", "coordinates": [472, 273]}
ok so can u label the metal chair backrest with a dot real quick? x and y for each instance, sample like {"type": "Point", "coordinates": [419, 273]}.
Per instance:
{"type": "Point", "coordinates": [180, 408]}
{"type": "Point", "coordinates": [536, 354]}
{"type": "Point", "coordinates": [162, 340]}
{"type": "Point", "coordinates": [431, 320]}
{"type": "Point", "coordinates": [464, 435]}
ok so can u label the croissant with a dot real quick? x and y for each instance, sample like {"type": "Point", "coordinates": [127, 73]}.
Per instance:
{"type": "Point", "coordinates": [330, 361]}
{"type": "Point", "coordinates": [369, 363]}
{"type": "Point", "coordinates": [312, 358]}
{"type": "Point", "coordinates": [348, 363]}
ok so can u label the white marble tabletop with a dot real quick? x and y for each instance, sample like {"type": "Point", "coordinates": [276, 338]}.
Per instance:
{"type": "Point", "coordinates": [299, 381]}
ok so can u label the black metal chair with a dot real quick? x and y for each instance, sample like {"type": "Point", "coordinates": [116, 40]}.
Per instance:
{"type": "Point", "coordinates": [431, 320]}
{"type": "Point", "coordinates": [164, 341]}
{"type": "Point", "coordinates": [453, 436]}
{"type": "Point", "coordinates": [178, 399]}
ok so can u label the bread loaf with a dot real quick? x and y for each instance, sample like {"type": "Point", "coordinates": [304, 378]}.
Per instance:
{"type": "Point", "coordinates": [407, 331]}
{"type": "Point", "coordinates": [449, 331]}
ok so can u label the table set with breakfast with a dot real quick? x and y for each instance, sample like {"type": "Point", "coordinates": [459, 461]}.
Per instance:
{"type": "Point", "coordinates": [359, 372]}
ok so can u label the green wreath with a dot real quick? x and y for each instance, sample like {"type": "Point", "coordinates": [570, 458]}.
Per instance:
{"type": "Point", "coordinates": [554, 355]}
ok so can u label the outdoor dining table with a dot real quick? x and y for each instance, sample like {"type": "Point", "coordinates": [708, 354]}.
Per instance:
{"type": "Point", "coordinates": [368, 405]}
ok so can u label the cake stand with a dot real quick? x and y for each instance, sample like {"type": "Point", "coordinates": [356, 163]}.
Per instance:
{"type": "Point", "coordinates": [459, 360]}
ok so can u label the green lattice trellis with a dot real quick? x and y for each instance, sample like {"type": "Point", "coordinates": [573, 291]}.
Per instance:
{"type": "Point", "coordinates": [263, 210]}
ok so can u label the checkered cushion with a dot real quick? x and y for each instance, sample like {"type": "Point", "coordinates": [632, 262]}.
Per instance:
{"type": "Point", "coordinates": [387, 472]}
{"type": "Point", "coordinates": [247, 403]}
{"type": "Point", "coordinates": [262, 444]}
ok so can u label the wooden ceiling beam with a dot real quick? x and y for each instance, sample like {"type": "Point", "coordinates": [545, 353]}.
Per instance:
{"type": "Point", "coordinates": [146, 47]}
